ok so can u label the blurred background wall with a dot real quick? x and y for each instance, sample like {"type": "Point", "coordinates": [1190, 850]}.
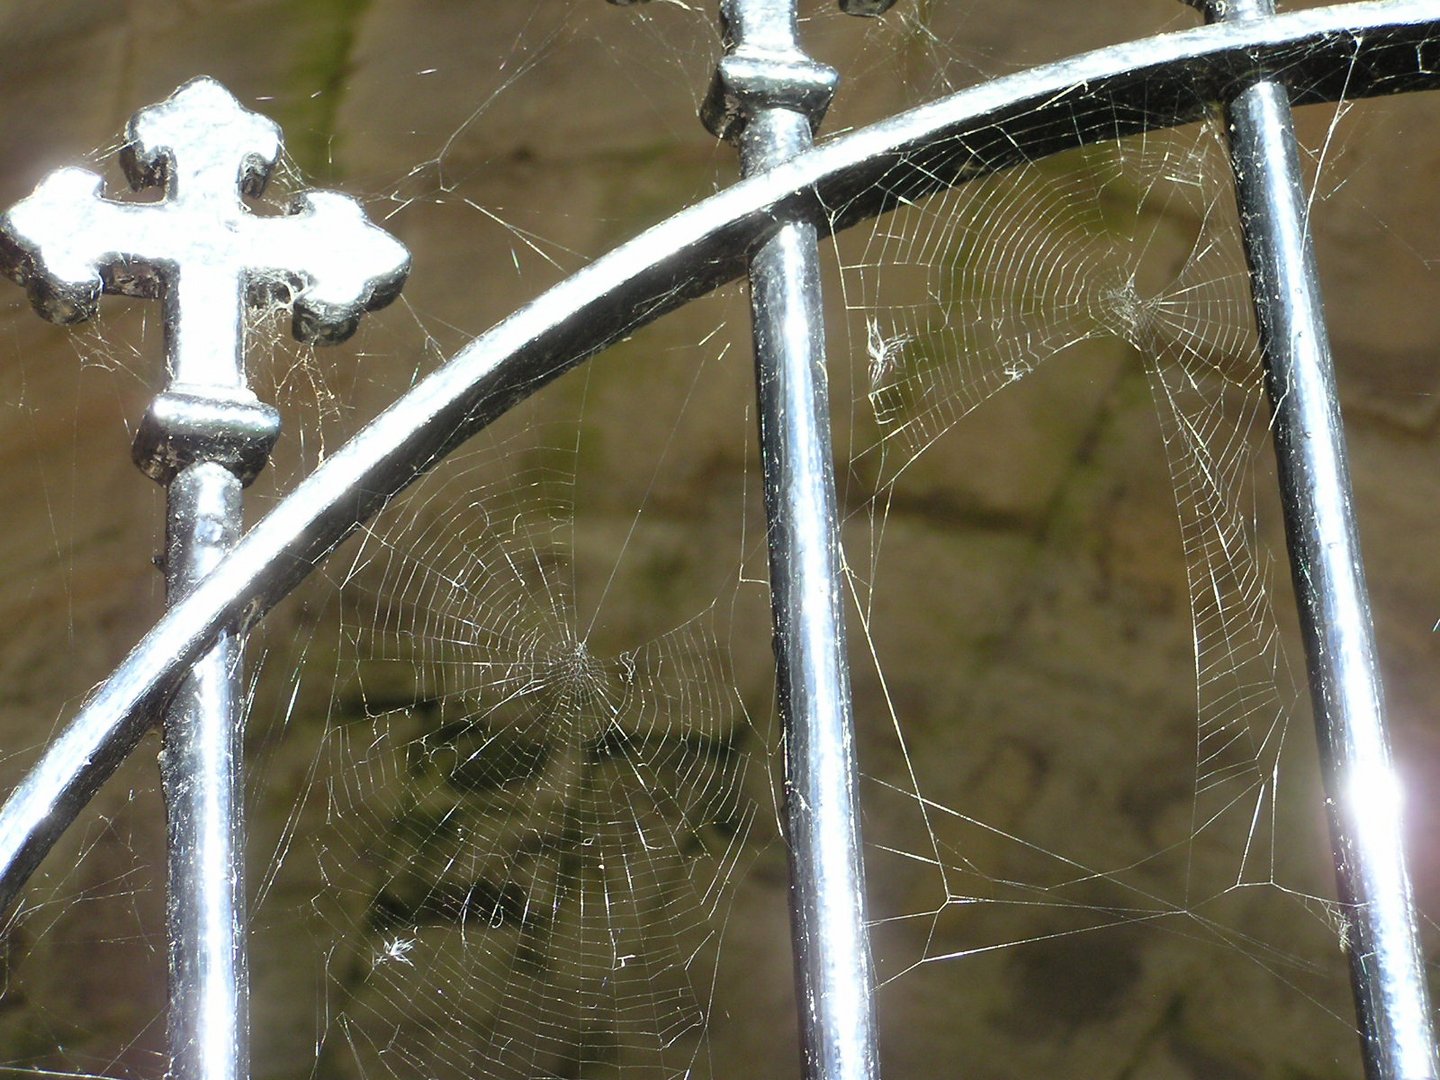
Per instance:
{"type": "Point", "coordinates": [1034, 619]}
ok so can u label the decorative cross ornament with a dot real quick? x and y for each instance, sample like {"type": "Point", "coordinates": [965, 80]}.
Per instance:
{"type": "Point", "coordinates": [209, 257]}
{"type": "Point", "coordinates": [203, 252]}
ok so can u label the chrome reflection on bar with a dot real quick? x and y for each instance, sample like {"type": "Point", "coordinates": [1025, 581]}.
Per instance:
{"type": "Point", "coordinates": [768, 97]}
{"type": "Point", "coordinates": [201, 773]}
{"type": "Point", "coordinates": [1364, 799]}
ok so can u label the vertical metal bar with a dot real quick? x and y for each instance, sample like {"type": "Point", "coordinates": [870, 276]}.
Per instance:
{"type": "Point", "coordinates": [827, 876]}
{"type": "Point", "coordinates": [1364, 797]}
{"type": "Point", "coordinates": [201, 776]}
{"type": "Point", "coordinates": [768, 96]}
{"type": "Point", "coordinates": [204, 437]}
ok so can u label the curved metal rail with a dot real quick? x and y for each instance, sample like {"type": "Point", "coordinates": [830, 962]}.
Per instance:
{"type": "Point", "coordinates": [1354, 50]}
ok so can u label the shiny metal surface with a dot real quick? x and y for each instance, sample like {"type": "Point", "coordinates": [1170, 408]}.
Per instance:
{"type": "Point", "coordinates": [200, 772]}
{"type": "Point", "coordinates": [771, 102]}
{"type": "Point", "coordinates": [763, 69]}
{"type": "Point", "coordinates": [1364, 795]}
{"type": "Point", "coordinates": [1356, 50]}
{"type": "Point", "coordinates": [208, 257]}
{"type": "Point", "coordinates": [834, 977]}
{"type": "Point", "coordinates": [185, 426]}
{"type": "Point", "coordinates": [201, 249]}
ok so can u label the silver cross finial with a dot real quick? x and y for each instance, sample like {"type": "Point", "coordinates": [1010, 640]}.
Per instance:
{"type": "Point", "coordinates": [208, 257]}
{"type": "Point", "coordinates": [201, 248]}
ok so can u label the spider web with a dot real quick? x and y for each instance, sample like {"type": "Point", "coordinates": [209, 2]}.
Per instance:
{"type": "Point", "coordinates": [1089, 261]}
{"type": "Point", "coordinates": [1126, 248]}
{"type": "Point", "coordinates": [514, 767]}
{"type": "Point", "coordinates": [518, 825]}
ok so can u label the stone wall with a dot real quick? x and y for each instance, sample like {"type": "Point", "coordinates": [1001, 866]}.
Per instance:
{"type": "Point", "coordinates": [1031, 609]}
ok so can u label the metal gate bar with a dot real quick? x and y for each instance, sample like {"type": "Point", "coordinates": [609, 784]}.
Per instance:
{"type": "Point", "coordinates": [768, 96]}
{"type": "Point", "coordinates": [1363, 792]}
{"type": "Point", "coordinates": [201, 774]}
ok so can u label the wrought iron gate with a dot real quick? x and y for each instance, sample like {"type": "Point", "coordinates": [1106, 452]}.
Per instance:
{"type": "Point", "coordinates": [768, 97]}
